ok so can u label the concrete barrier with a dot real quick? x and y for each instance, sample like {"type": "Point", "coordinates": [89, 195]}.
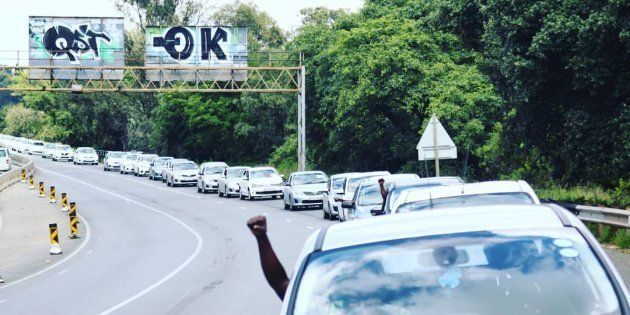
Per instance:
{"type": "Point", "coordinates": [14, 175]}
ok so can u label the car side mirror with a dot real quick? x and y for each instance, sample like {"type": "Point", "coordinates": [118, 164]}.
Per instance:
{"type": "Point", "coordinates": [347, 204]}
{"type": "Point", "coordinates": [377, 212]}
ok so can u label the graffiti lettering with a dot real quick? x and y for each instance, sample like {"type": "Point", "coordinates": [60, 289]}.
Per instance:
{"type": "Point", "coordinates": [60, 40]}
{"type": "Point", "coordinates": [208, 44]}
{"type": "Point", "coordinates": [179, 43]}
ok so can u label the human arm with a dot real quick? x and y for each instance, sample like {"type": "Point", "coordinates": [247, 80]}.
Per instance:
{"type": "Point", "coordinates": [272, 268]}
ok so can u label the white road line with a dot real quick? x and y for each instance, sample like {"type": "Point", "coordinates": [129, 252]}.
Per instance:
{"type": "Point", "coordinates": [176, 220]}
{"type": "Point", "coordinates": [62, 272]}
{"type": "Point", "coordinates": [88, 234]}
{"type": "Point", "coordinates": [2, 301]}
{"type": "Point", "coordinates": [90, 251]}
{"type": "Point", "coordinates": [288, 220]}
{"type": "Point", "coordinates": [310, 227]}
{"type": "Point", "coordinates": [138, 182]}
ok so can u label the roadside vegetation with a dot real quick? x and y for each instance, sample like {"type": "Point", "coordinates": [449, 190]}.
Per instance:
{"type": "Point", "coordinates": [534, 90]}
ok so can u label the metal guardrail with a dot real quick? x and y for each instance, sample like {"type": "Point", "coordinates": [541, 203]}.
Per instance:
{"type": "Point", "coordinates": [13, 176]}
{"type": "Point", "coordinates": [601, 215]}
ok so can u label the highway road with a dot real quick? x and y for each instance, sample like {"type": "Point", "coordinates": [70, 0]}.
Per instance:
{"type": "Point", "coordinates": [153, 249]}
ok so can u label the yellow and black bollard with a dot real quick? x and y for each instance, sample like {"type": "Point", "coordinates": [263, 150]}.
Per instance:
{"type": "Point", "coordinates": [31, 182]}
{"type": "Point", "coordinates": [64, 202]}
{"type": "Point", "coordinates": [55, 248]}
{"type": "Point", "coordinates": [41, 190]}
{"type": "Point", "coordinates": [74, 221]}
{"type": "Point", "coordinates": [53, 198]}
{"type": "Point", "coordinates": [23, 179]}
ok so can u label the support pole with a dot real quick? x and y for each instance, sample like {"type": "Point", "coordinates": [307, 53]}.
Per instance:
{"type": "Point", "coordinates": [435, 147]}
{"type": "Point", "coordinates": [302, 121]}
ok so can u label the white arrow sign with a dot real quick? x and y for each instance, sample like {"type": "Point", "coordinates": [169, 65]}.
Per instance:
{"type": "Point", "coordinates": [435, 141]}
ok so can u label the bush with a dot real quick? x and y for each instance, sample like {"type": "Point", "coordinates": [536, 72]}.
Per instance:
{"type": "Point", "coordinates": [622, 238]}
{"type": "Point", "coordinates": [590, 195]}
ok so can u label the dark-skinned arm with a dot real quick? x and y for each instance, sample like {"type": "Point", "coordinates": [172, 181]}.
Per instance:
{"type": "Point", "coordinates": [272, 268]}
{"type": "Point", "coordinates": [381, 183]}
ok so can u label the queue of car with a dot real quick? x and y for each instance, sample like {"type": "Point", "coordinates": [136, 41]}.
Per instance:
{"type": "Point", "coordinates": [411, 245]}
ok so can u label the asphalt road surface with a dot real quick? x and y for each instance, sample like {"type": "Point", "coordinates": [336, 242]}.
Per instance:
{"type": "Point", "coordinates": [152, 249]}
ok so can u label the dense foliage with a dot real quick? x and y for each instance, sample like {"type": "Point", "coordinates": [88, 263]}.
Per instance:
{"type": "Point", "coordinates": [533, 89]}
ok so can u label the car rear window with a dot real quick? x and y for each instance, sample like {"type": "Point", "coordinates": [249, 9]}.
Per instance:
{"type": "Point", "coordinates": [547, 271]}
{"type": "Point", "coordinates": [519, 198]}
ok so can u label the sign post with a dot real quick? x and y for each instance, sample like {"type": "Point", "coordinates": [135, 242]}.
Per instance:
{"type": "Point", "coordinates": [436, 144]}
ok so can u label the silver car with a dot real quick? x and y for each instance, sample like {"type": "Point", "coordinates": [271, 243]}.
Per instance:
{"type": "Point", "coordinates": [304, 189]}
{"type": "Point", "coordinates": [228, 182]}
{"type": "Point", "coordinates": [208, 177]}
{"type": "Point", "coordinates": [182, 173]}
{"type": "Point", "coordinates": [113, 160]}
{"type": "Point", "coordinates": [157, 166]}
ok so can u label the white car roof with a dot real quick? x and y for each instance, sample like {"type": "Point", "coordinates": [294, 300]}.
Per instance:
{"type": "Point", "coordinates": [342, 175]}
{"type": "Point", "coordinates": [206, 164]}
{"type": "Point", "coordinates": [368, 174]}
{"type": "Point", "coordinates": [440, 221]}
{"type": "Point", "coordinates": [489, 187]}
{"type": "Point", "coordinates": [239, 167]}
{"type": "Point", "coordinates": [261, 168]}
{"type": "Point", "coordinates": [307, 172]}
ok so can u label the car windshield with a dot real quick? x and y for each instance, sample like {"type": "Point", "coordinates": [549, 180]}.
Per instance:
{"type": "Point", "coordinates": [506, 272]}
{"type": "Point", "coordinates": [116, 155]}
{"type": "Point", "coordinates": [353, 183]}
{"type": "Point", "coordinates": [86, 150]}
{"type": "Point", "coordinates": [337, 183]}
{"type": "Point", "coordinates": [131, 157]}
{"type": "Point", "coordinates": [63, 147]}
{"type": "Point", "coordinates": [369, 195]}
{"type": "Point", "coordinates": [263, 174]}
{"type": "Point", "coordinates": [160, 162]}
{"type": "Point", "coordinates": [236, 172]}
{"type": "Point", "coordinates": [214, 169]}
{"type": "Point", "coordinates": [147, 158]}
{"type": "Point", "coordinates": [467, 201]}
{"type": "Point", "coordinates": [48, 146]}
{"type": "Point", "coordinates": [185, 166]}
{"type": "Point", "coordinates": [310, 178]}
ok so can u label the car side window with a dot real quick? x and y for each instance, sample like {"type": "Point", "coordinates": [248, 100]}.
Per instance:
{"type": "Point", "coordinates": [247, 175]}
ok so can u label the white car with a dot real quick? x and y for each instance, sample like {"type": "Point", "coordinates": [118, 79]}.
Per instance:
{"type": "Point", "coordinates": [63, 152]}
{"type": "Point", "coordinates": [334, 192]}
{"type": "Point", "coordinates": [229, 180]}
{"type": "Point", "coordinates": [143, 164]}
{"type": "Point", "coordinates": [127, 163]}
{"type": "Point", "coordinates": [396, 189]}
{"type": "Point", "coordinates": [85, 155]}
{"type": "Point", "coordinates": [49, 149]}
{"type": "Point", "coordinates": [5, 160]}
{"type": "Point", "coordinates": [350, 185]}
{"type": "Point", "coordinates": [36, 147]}
{"type": "Point", "coordinates": [168, 167]}
{"type": "Point", "coordinates": [368, 200]}
{"type": "Point", "coordinates": [304, 189]}
{"type": "Point", "coordinates": [113, 160]}
{"type": "Point", "coordinates": [182, 173]}
{"type": "Point", "coordinates": [501, 259]}
{"type": "Point", "coordinates": [466, 195]}
{"type": "Point", "coordinates": [260, 182]}
{"type": "Point", "coordinates": [209, 173]}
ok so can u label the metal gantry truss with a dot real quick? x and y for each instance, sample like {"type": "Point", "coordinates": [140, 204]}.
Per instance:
{"type": "Point", "coordinates": [80, 79]}
{"type": "Point", "coordinates": [171, 79]}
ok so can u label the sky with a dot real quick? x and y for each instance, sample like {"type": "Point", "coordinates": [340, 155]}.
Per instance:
{"type": "Point", "coordinates": [14, 21]}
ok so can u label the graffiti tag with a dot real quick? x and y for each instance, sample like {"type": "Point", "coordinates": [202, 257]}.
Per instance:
{"type": "Point", "coordinates": [179, 43]}
{"type": "Point", "coordinates": [60, 40]}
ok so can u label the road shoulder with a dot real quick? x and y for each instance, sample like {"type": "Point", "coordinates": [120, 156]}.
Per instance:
{"type": "Point", "coordinates": [24, 238]}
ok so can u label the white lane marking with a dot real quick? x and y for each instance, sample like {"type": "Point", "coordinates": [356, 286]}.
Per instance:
{"type": "Point", "coordinates": [2, 301]}
{"type": "Point", "coordinates": [309, 227]}
{"type": "Point", "coordinates": [176, 220]}
{"type": "Point", "coordinates": [244, 208]}
{"type": "Point", "coordinates": [139, 182]}
{"type": "Point", "coordinates": [62, 272]}
{"type": "Point", "coordinates": [88, 234]}
{"type": "Point", "coordinates": [265, 214]}
{"type": "Point", "coordinates": [100, 238]}
{"type": "Point", "coordinates": [220, 202]}
{"type": "Point", "coordinates": [288, 220]}
{"type": "Point", "coordinates": [90, 251]}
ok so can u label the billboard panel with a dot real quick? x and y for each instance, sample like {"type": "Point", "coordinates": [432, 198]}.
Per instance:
{"type": "Point", "coordinates": [76, 41]}
{"type": "Point", "coordinates": [199, 46]}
